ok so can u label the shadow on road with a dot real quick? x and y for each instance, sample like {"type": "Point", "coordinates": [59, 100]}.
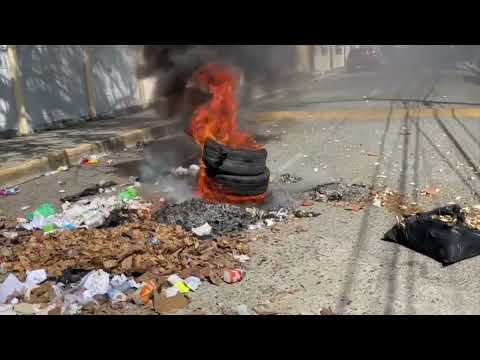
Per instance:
{"type": "Point", "coordinates": [362, 234]}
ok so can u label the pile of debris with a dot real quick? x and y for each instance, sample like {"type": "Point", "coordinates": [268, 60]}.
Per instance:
{"type": "Point", "coordinates": [395, 202]}
{"type": "Point", "coordinates": [335, 192]}
{"type": "Point", "coordinates": [290, 179]}
{"type": "Point", "coordinates": [223, 218]}
{"type": "Point", "coordinates": [130, 249]}
{"type": "Point", "coordinates": [85, 264]}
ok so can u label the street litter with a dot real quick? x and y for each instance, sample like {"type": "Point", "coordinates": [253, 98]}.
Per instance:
{"type": "Point", "coordinates": [336, 191]}
{"type": "Point", "coordinates": [60, 169]}
{"type": "Point", "coordinates": [90, 160]}
{"type": "Point", "coordinates": [90, 191]}
{"type": "Point", "coordinates": [9, 191]}
{"type": "Point", "coordinates": [290, 179]}
{"type": "Point", "coordinates": [233, 276]}
{"type": "Point", "coordinates": [11, 288]}
{"type": "Point", "coordinates": [193, 282]}
{"type": "Point", "coordinates": [395, 202]}
{"type": "Point", "coordinates": [447, 235]}
{"type": "Point", "coordinates": [25, 207]}
{"type": "Point", "coordinates": [204, 230]}
{"type": "Point", "coordinates": [164, 305]}
{"type": "Point", "coordinates": [299, 213]}
{"type": "Point", "coordinates": [242, 258]}
{"type": "Point", "coordinates": [224, 219]}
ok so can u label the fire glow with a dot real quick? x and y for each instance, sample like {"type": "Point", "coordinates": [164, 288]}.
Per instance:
{"type": "Point", "coordinates": [217, 120]}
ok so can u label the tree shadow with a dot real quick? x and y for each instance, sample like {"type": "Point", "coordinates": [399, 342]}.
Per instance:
{"type": "Point", "coordinates": [53, 83]}
{"type": "Point", "coordinates": [115, 82]}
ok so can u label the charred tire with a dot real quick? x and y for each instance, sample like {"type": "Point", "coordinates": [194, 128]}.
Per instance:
{"type": "Point", "coordinates": [244, 185]}
{"type": "Point", "coordinates": [234, 162]}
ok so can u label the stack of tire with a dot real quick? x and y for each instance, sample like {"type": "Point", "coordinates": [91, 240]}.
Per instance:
{"type": "Point", "coordinates": [241, 172]}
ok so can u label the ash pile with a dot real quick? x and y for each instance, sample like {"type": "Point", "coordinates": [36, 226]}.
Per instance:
{"type": "Point", "coordinates": [223, 219]}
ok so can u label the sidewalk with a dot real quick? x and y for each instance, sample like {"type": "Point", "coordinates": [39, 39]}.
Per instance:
{"type": "Point", "coordinates": [25, 158]}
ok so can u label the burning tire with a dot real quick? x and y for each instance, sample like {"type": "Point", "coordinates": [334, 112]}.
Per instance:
{"type": "Point", "coordinates": [224, 160]}
{"type": "Point", "coordinates": [243, 185]}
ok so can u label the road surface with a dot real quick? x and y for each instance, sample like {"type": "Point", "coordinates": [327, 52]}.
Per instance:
{"type": "Point", "coordinates": [339, 259]}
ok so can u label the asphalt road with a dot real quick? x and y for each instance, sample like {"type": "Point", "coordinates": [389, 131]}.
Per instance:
{"type": "Point", "coordinates": [339, 259]}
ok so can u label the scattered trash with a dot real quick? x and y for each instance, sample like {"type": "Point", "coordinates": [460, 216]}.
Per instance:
{"type": "Point", "coordinates": [233, 276]}
{"type": "Point", "coordinates": [269, 222]}
{"type": "Point", "coordinates": [9, 191]}
{"type": "Point", "coordinates": [395, 203]}
{"type": "Point", "coordinates": [290, 179]}
{"type": "Point", "coordinates": [90, 191]}
{"type": "Point", "coordinates": [443, 234]}
{"type": "Point", "coordinates": [146, 293]}
{"type": "Point", "coordinates": [11, 288]}
{"type": "Point", "coordinates": [45, 211]}
{"type": "Point", "coordinates": [164, 305]}
{"type": "Point", "coordinates": [242, 258]}
{"type": "Point", "coordinates": [430, 191]}
{"type": "Point", "coordinates": [90, 160]}
{"type": "Point", "coordinates": [25, 207]}
{"type": "Point", "coordinates": [202, 231]}
{"type": "Point", "coordinates": [117, 296]}
{"type": "Point", "coordinates": [35, 278]}
{"type": "Point", "coordinates": [300, 214]}
{"type": "Point", "coordinates": [224, 219]}
{"type": "Point", "coordinates": [95, 283]}
{"type": "Point", "coordinates": [193, 282]}
{"type": "Point", "coordinates": [371, 154]}
{"type": "Point", "coordinates": [256, 227]}
{"type": "Point", "coordinates": [60, 169]}
{"type": "Point", "coordinates": [170, 292]}
{"type": "Point", "coordinates": [336, 191]}
{"type": "Point", "coordinates": [129, 195]}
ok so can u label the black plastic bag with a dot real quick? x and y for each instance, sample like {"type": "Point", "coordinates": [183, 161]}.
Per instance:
{"type": "Point", "coordinates": [441, 241]}
{"type": "Point", "coordinates": [90, 191]}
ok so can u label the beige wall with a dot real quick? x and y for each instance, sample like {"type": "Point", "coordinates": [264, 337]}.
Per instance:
{"type": "Point", "coordinates": [327, 58]}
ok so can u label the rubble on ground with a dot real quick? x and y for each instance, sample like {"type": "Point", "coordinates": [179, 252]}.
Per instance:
{"type": "Point", "coordinates": [290, 179]}
{"type": "Point", "coordinates": [395, 202]}
{"type": "Point", "coordinates": [223, 218]}
{"type": "Point", "coordinates": [124, 249]}
{"type": "Point", "coordinates": [337, 191]}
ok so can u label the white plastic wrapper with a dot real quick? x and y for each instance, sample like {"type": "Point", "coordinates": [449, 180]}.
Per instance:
{"type": "Point", "coordinates": [203, 230]}
{"type": "Point", "coordinates": [11, 287]}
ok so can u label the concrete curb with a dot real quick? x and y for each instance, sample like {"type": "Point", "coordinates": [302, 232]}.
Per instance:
{"type": "Point", "coordinates": [29, 170]}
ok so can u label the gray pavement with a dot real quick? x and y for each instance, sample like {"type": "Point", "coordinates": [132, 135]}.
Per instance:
{"type": "Point", "coordinates": [339, 259]}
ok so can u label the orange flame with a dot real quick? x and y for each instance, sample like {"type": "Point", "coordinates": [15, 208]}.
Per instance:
{"type": "Point", "coordinates": [218, 120]}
